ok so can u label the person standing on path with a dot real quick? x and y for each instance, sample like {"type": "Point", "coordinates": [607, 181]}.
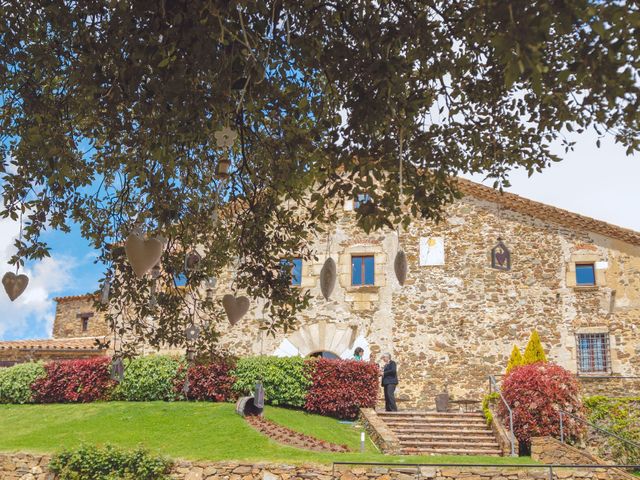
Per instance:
{"type": "Point", "coordinates": [389, 382]}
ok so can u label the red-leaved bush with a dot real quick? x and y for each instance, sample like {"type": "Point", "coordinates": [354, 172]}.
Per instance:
{"type": "Point", "coordinates": [74, 381]}
{"type": "Point", "coordinates": [340, 388]}
{"type": "Point", "coordinates": [211, 382]}
{"type": "Point", "coordinates": [536, 393]}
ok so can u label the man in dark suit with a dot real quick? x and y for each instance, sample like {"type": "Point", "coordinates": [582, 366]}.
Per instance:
{"type": "Point", "coordinates": [389, 382]}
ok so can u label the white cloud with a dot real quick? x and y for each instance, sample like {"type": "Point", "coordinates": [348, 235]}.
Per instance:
{"type": "Point", "coordinates": [31, 315]}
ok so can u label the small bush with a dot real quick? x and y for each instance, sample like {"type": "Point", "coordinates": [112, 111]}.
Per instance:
{"type": "Point", "coordinates": [108, 463]}
{"type": "Point", "coordinates": [341, 387]}
{"type": "Point", "coordinates": [515, 360]}
{"type": "Point", "coordinates": [210, 382]}
{"type": "Point", "coordinates": [150, 378]}
{"type": "Point", "coordinates": [534, 352]}
{"type": "Point", "coordinates": [536, 394]}
{"type": "Point", "coordinates": [74, 381]}
{"type": "Point", "coordinates": [620, 416]}
{"type": "Point", "coordinates": [16, 381]}
{"type": "Point", "coordinates": [286, 380]}
{"type": "Point", "coordinates": [486, 402]}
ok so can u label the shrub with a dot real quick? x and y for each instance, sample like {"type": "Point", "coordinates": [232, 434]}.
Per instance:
{"type": "Point", "coordinates": [16, 381]}
{"type": "Point", "coordinates": [620, 416]}
{"type": "Point", "coordinates": [74, 381]}
{"type": "Point", "coordinates": [341, 387]}
{"type": "Point", "coordinates": [536, 394]}
{"type": "Point", "coordinates": [515, 360]}
{"type": "Point", "coordinates": [534, 351]}
{"type": "Point", "coordinates": [286, 380]}
{"type": "Point", "coordinates": [108, 463]}
{"type": "Point", "coordinates": [211, 381]}
{"type": "Point", "coordinates": [486, 402]}
{"type": "Point", "coordinates": [150, 378]}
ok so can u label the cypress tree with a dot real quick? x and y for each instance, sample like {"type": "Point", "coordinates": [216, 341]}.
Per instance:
{"type": "Point", "coordinates": [515, 360]}
{"type": "Point", "coordinates": [534, 352]}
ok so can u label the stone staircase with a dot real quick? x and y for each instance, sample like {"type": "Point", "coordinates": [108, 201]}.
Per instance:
{"type": "Point", "coordinates": [437, 433]}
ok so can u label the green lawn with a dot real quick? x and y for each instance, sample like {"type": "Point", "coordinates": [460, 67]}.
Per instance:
{"type": "Point", "coordinates": [190, 430]}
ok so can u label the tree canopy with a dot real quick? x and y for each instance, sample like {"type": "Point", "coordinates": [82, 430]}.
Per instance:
{"type": "Point", "coordinates": [109, 113]}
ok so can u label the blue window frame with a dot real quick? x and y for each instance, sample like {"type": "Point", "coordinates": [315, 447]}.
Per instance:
{"type": "Point", "coordinates": [296, 270]}
{"type": "Point", "coordinates": [585, 274]}
{"type": "Point", "coordinates": [362, 270]}
{"type": "Point", "coordinates": [360, 199]}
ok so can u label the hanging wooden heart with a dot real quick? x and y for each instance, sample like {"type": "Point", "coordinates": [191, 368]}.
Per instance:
{"type": "Point", "coordinates": [142, 253]}
{"type": "Point", "coordinates": [328, 277]}
{"type": "Point", "coordinates": [400, 266]}
{"type": "Point", "coordinates": [235, 307]}
{"type": "Point", "coordinates": [14, 284]}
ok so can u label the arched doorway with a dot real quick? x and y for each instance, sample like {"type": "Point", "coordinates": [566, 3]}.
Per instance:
{"type": "Point", "coordinates": [324, 354]}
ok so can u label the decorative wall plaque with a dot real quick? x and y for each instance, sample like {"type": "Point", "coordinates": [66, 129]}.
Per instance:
{"type": "Point", "coordinates": [500, 256]}
{"type": "Point", "coordinates": [431, 251]}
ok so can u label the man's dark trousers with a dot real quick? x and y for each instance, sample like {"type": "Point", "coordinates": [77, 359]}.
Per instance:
{"type": "Point", "coordinates": [389, 398]}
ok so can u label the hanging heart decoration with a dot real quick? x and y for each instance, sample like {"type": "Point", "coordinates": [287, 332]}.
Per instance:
{"type": "Point", "coordinates": [328, 277]}
{"type": "Point", "coordinates": [117, 369]}
{"type": "Point", "coordinates": [400, 267]}
{"type": "Point", "coordinates": [142, 253]}
{"type": "Point", "coordinates": [235, 307]}
{"type": "Point", "coordinates": [14, 284]}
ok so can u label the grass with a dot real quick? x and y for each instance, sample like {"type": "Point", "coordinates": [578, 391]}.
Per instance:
{"type": "Point", "coordinates": [189, 430]}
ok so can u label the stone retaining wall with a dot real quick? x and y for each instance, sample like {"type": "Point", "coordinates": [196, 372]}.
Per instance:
{"type": "Point", "coordinates": [610, 386]}
{"type": "Point", "coordinates": [22, 466]}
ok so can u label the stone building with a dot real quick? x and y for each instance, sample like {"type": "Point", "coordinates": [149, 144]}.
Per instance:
{"type": "Point", "coordinates": [75, 330]}
{"type": "Point", "coordinates": [479, 282]}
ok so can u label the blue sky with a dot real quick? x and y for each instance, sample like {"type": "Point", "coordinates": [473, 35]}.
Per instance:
{"type": "Point", "coordinates": [601, 183]}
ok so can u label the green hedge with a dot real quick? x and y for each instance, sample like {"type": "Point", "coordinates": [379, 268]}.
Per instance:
{"type": "Point", "coordinates": [108, 463]}
{"type": "Point", "coordinates": [15, 382]}
{"type": "Point", "coordinates": [286, 380]}
{"type": "Point", "coordinates": [150, 378]}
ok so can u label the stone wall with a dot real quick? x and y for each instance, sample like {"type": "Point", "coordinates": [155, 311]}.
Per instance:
{"type": "Point", "coordinates": [10, 357]}
{"type": "Point", "coordinates": [68, 322]}
{"type": "Point", "coordinates": [33, 467]}
{"type": "Point", "coordinates": [611, 386]}
{"type": "Point", "coordinates": [452, 325]}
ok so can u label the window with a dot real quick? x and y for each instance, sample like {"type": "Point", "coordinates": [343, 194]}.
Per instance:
{"type": "Point", "coordinates": [593, 353]}
{"type": "Point", "coordinates": [85, 324]}
{"type": "Point", "coordinates": [361, 199]}
{"type": "Point", "coordinates": [585, 274]}
{"type": "Point", "coordinates": [296, 270]}
{"type": "Point", "coordinates": [362, 268]}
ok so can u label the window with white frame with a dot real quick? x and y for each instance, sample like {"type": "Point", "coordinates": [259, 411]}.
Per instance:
{"type": "Point", "coordinates": [593, 353]}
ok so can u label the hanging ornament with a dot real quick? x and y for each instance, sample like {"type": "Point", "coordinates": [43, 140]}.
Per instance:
{"type": "Point", "coordinates": [211, 285]}
{"type": "Point", "coordinates": [185, 386]}
{"type": "Point", "coordinates": [192, 333]}
{"type": "Point", "coordinates": [117, 369]}
{"type": "Point", "coordinates": [153, 298]}
{"type": "Point", "coordinates": [142, 253]}
{"type": "Point", "coordinates": [106, 288]}
{"type": "Point", "coordinates": [500, 256]}
{"type": "Point", "coordinates": [400, 267]}
{"type": "Point", "coordinates": [222, 168]}
{"type": "Point", "coordinates": [14, 284]}
{"type": "Point", "coordinates": [328, 277]}
{"type": "Point", "coordinates": [226, 137]}
{"type": "Point", "coordinates": [191, 261]}
{"type": "Point", "coordinates": [235, 307]}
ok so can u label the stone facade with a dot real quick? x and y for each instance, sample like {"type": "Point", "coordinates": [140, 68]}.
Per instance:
{"type": "Point", "coordinates": [20, 466]}
{"type": "Point", "coordinates": [76, 317]}
{"type": "Point", "coordinates": [453, 324]}
{"type": "Point", "coordinates": [456, 318]}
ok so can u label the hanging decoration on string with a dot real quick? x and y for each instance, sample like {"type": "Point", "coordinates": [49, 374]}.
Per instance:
{"type": "Point", "coordinates": [500, 256]}
{"type": "Point", "coordinates": [328, 275]}
{"type": "Point", "coordinates": [225, 138]}
{"type": "Point", "coordinates": [106, 289]}
{"type": "Point", "coordinates": [191, 333]}
{"type": "Point", "coordinates": [117, 369]}
{"type": "Point", "coordinates": [400, 265]}
{"type": "Point", "coordinates": [14, 283]}
{"type": "Point", "coordinates": [211, 286]}
{"type": "Point", "coordinates": [235, 307]}
{"type": "Point", "coordinates": [143, 254]}
{"type": "Point", "coordinates": [153, 298]}
{"type": "Point", "coordinates": [192, 261]}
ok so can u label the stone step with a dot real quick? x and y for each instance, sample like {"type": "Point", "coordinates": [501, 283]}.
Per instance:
{"type": "Point", "coordinates": [436, 424]}
{"type": "Point", "coordinates": [473, 415]}
{"type": "Point", "coordinates": [445, 451]}
{"type": "Point", "coordinates": [443, 431]}
{"type": "Point", "coordinates": [456, 444]}
{"type": "Point", "coordinates": [446, 436]}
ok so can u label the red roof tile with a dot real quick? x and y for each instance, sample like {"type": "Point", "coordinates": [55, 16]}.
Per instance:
{"type": "Point", "coordinates": [88, 343]}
